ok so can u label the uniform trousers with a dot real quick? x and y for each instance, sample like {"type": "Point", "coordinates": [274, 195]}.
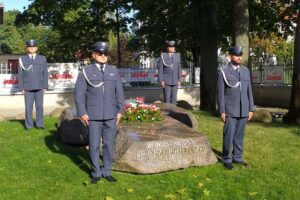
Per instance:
{"type": "Point", "coordinates": [233, 136]}
{"type": "Point", "coordinates": [105, 130]}
{"type": "Point", "coordinates": [36, 97]}
{"type": "Point", "coordinates": [170, 93]}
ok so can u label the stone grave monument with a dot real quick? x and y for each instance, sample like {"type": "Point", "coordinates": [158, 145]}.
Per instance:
{"type": "Point", "coordinates": [146, 148]}
{"type": "Point", "coordinates": [170, 144]}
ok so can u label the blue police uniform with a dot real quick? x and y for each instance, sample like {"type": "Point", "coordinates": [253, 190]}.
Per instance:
{"type": "Point", "coordinates": [33, 79]}
{"type": "Point", "coordinates": [100, 96]}
{"type": "Point", "coordinates": [169, 71]}
{"type": "Point", "coordinates": [235, 99]}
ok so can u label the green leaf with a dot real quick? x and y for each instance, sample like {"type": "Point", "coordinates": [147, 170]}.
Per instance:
{"type": "Point", "coordinates": [108, 198]}
{"type": "Point", "coordinates": [148, 197]}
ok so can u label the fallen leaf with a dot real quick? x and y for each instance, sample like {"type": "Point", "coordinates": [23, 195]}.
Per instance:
{"type": "Point", "coordinates": [182, 191]}
{"type": "Point", "coordinates": [130, 190]}
{"type": "Point", "coordinates": [108, 198]}
{"type": "Point", "coordinates": [170, 196]}
{"type": "Point", "coordinates": [200, 185]}
{"type": "Point", "coordinates": [252, 193]}
{"type": "Point", "coordinates": [148, 197]}
{"type": "Point", "coordinates": [86, 182]}
{"type": "Point", "coordinates": [206, 192]}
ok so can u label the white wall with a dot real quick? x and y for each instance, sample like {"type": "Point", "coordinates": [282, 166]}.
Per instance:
{"type": "Point", "coordinates": [13, 105]}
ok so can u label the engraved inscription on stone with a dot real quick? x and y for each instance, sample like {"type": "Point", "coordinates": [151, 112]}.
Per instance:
{"type": "Point", "coordinates": [169, 150]}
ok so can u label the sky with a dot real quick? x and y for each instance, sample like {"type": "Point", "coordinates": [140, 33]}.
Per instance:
{"type": "Point", "coordinates": [15, 4]}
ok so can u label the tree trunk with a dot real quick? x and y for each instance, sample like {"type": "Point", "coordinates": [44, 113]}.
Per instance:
{"type": "Point", "coordinates": [294, 110]}
{"type": "Point", "coordinates": [208, 51]}
{"type": "Point", "coordinates": [241, 27]}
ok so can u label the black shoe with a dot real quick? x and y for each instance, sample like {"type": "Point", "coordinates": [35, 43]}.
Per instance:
{"type": "Point", "coordinates": [241, 163]}
{"type": "Point", "coordinates": [110, 178]}
{"type": "Point", "coordinates": [95, 180]}
{"type": "Point", "coordinates": [228, 166]}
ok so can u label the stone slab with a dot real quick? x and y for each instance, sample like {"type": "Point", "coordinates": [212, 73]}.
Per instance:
{"type": "Point", "coordinates": [159, 147]}
{"type": "Point", "coordinates": [148, 148]}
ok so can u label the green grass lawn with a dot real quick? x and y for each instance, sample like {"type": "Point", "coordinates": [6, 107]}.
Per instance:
{"type": "Point", "coordinates": [36, 165]}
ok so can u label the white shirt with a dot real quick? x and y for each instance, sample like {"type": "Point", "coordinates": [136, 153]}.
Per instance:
{"type": "Point", "coordinates": [98, 65]}
{"type": "Point", "coordinates": [235, 66]}
{"type": "Point", "coordinates": [32, 56]}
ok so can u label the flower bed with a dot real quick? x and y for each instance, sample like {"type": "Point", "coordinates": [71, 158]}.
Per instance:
{"type": "Point", "coordinates": [137, 111]}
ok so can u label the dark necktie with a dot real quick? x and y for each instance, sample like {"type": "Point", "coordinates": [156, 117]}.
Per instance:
{"type": "Point", "coordinates": [171, 57]}
{"type": "Point", "coordinates": [101, 68]}
{"type": "Point", "coordinates": [32, 58]}
{"type": "Point", "coordinates": [238, 71]}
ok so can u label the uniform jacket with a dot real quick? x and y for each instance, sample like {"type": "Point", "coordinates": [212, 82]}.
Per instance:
{"type": "Point", "coordinates": [36, 78]}
{"type": "Point", "coordinates": [99, 103]}
{"type": "Point", "coordinates": [169, 68]}
{"type": "Point", "coordinates": [235, 102]}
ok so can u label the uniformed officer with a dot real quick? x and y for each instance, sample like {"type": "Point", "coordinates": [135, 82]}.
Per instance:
{"type": "Point", "coordinates": [236, 107]}
{"type": "Point", "coordinates": [169, 71]}
{"type": "Point", "coordinates": [33, 82]}
{"type": "Point", "coordinates": [99, 101]}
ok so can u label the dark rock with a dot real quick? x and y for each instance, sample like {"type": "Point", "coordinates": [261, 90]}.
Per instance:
{"type": "Point", "coordinates": [184, 104]}
{"type": "Point", "coordinates": [180, 114]}
{"type": "Point", "coordinates": [286, 118]}
{"type": "Point", "coordinates": [71, 129]}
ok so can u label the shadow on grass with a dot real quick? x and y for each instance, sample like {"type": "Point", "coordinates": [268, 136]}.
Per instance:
{"type": "Point", "coordinates": [218, 154]}
{"type": "Point", "coordinates": [206, 113]}
{"type": "Point", "coordinates": [20, 121]}
{"type": "Point", "coordinates": [77, 154]}
{"type": "Point", "coordinates": [295, 129]}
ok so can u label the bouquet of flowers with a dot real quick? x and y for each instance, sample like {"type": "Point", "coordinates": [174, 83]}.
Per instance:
{"type": "Point", "coordinates": [136, 111]}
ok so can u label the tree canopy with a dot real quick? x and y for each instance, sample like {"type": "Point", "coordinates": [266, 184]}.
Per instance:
{"type": "Point", "coordinates": [79, 22]}
{"type": "Point", "coordinates": [65, 27]}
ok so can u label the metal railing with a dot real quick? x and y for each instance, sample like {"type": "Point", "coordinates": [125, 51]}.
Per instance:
{"type": "Point", "coordinates": [283, 73]}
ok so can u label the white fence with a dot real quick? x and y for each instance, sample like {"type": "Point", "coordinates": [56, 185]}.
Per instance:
{"type": "Point", "coordinates": [62, 76]}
